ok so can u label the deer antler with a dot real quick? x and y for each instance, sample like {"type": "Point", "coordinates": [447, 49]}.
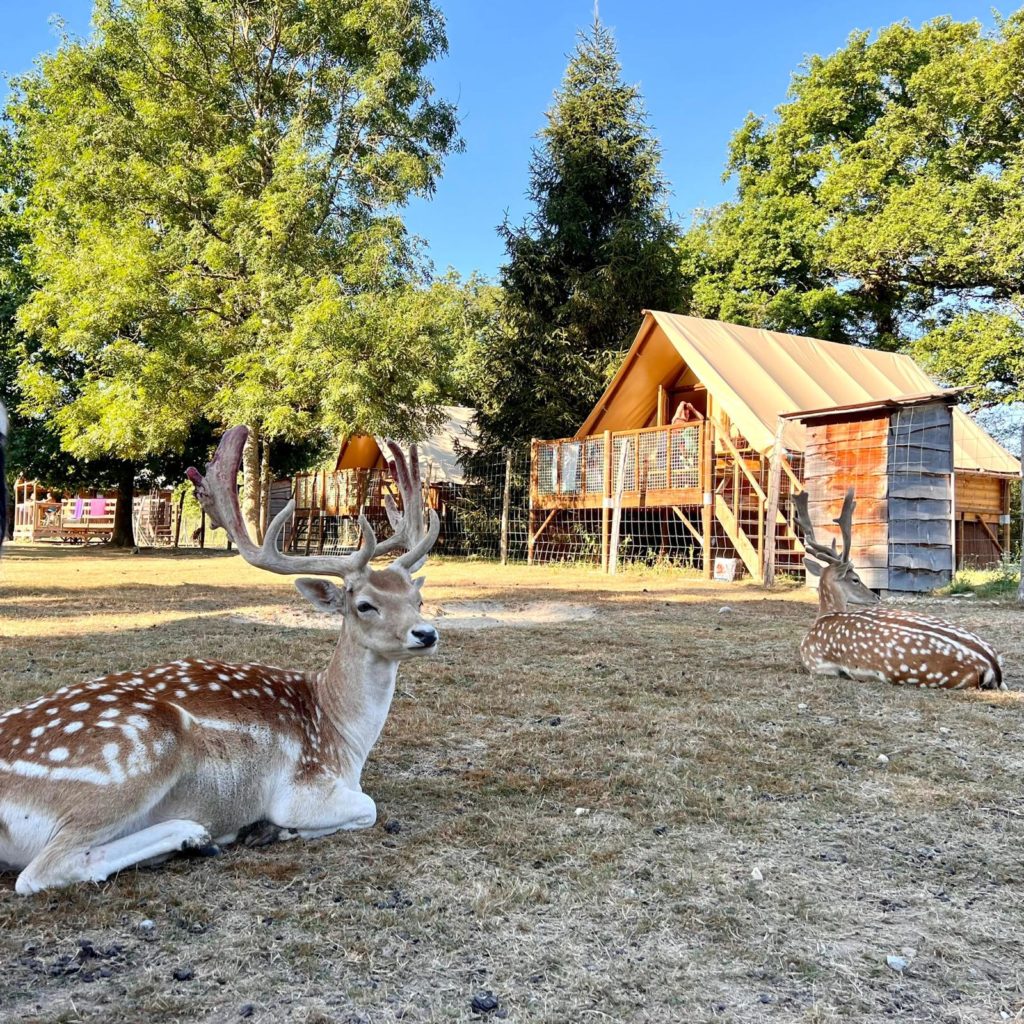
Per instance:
{"type": "Point", "coordinates": [822, 552]}
{"type": "Point", "coordinates": [409, 529]}
{"type": "Point", "coordinates": [218, 494]}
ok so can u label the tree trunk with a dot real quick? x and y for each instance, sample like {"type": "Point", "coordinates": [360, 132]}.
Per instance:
{"type": "Point", "coordinates": [265, 480]}
{"type": "Point", "coordinates": [251, 482]}
{"type": "Point", "coordinates": [124, 534]}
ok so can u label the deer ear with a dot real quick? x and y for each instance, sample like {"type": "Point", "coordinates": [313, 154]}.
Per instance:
{"type": "Point", "coordinates": [322, 595]}
{"type": "Point", "coordinates": [812, 567]}
{"type": "Point", "coordinates": [419, 581]}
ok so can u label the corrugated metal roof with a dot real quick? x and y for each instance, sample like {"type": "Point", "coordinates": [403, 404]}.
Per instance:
{"type": "Point", "coordinates": [756, 375]}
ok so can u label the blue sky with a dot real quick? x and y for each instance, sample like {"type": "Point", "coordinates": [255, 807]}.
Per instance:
{"type": "Point", "coordinates": [701, 68]}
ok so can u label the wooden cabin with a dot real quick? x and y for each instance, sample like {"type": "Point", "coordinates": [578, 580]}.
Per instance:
{"type": "Point", "coordinates": [329, 501]}
{"type": "Point", "coordinates": [43, 515]}
{"type": "Point", "coordinates": [703, 411]}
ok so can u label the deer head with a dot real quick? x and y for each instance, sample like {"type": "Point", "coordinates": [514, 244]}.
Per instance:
{"type": "Point", "coordinates": [840, 585]}
{"type": "Point", "coordinates": [381, 607]}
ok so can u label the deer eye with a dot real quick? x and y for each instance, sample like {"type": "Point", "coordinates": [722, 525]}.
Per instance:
{"type": "Point", "coordinates": [365, 606]}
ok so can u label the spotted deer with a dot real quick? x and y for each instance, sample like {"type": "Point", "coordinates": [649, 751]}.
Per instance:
{"type": "Point", "coordinates": [136, 765]}
{"type": "Point", "coordinates": [873, 643]}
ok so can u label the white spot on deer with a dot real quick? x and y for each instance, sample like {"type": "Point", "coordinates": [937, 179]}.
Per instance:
{"type": "Point", "coordinates": [138, 722]}
{"type": "Point", "coordinates": [82, 705]}
{"type": "Point", "coordinates": [37, 732]}
{"type": "Point", "coordinates": [72, 727]}
{"type": "Point", "coordinates": [52, 711]}
{"type": "Point", "coordinates": [215, 686]}
{"type": "Point", "coordinates": [107, 698]}
{"type": "Point", "coordinates": [58, 754]}
{"type": "Point", "coordinates": [110, 713]}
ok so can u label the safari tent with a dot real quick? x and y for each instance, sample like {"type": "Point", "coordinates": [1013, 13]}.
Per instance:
{"type": "Point", "coordinates": [329, 501]}
{"type": "Point", "coordinates": [690, 428]}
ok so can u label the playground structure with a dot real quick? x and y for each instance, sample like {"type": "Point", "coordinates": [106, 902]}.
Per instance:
{"type": "Point", "coordinates": [41, 516]}
{"type": "Point", "coordinates": [699, 442]}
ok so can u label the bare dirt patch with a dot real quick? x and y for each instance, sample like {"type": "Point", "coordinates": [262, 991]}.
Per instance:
{"type": "Point", "coordinates": [647, 815]}
{"type": "Point", "coordinates": [451, 615]}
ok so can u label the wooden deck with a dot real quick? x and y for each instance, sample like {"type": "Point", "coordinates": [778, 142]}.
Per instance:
{"type": "Point", "coordinates": [693, 469]}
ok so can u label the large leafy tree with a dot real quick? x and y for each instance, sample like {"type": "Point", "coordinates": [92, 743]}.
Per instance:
{"type": "Point", "coordinates": [597, 248]}
{"type": "Point", "coordinates": [213, 226]}
{"type": "Point", "coordinates": [884, 204]}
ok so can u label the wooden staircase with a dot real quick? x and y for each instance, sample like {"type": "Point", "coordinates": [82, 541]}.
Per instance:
{"type": "Point", "coordinates": [740, 505]}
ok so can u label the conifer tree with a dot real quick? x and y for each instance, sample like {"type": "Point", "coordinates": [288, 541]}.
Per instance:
{"type": "Point", "coordinates": [596, 250]}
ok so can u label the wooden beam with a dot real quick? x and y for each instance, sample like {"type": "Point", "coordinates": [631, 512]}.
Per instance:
{"type": "Point", "coordinates": [606, 497]}
{"type": "Point", "coordinates": [662, 406]}
{"type": "Point", "coordinates": [686, 522]}
{"type": "Point", "coordinates": [991, 536]}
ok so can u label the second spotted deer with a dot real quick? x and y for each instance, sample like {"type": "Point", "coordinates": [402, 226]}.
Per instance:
{"type": "Point", "coordinates": [884, 644]}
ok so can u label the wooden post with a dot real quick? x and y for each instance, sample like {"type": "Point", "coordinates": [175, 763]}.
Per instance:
{"type": "Point", "coordinates": [662, 405]}
{"type": "Point", "coordinates": [530, 536]}
{"type": "Point", "coordinates": [772, 511]}
{"type": "Point", "coordinates": [202, 529]}
{"type": "Point", "coordinates": [707, 490]}
{"type": "Point", "coordinates": [506, 498]}
{"type": "Point", "coordinates": [613, 562]}
{"type": "Point", "coordinates": [606, 501]}
{"type": "Point", "coordinates": [177, 525]}
{"type": "Point", "coordinates": [1020, 586]}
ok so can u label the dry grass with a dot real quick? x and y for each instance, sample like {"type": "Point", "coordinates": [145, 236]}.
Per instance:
{"type": "Point", "coordinates": [570, 816]}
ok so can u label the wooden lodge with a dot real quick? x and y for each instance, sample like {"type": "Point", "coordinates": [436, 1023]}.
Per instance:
{"type": "Point", "coordinates": [699, 436]}
{"type": "Point", "coordinates": [329, 501]}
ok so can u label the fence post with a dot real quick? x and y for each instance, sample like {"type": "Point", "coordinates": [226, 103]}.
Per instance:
{"type": "Point", "coordinates": [1020, 586]}
{"type": "Point", "coordinates": [707, 489]}
{"type": "Point", "coordinates": [506, 498]}
{"type": "Point", "coordinates": [202, 530]}
{"type": "Point", "coordinates": [772, 511]}
{"type": "Point", "coordinates": [613, 561]}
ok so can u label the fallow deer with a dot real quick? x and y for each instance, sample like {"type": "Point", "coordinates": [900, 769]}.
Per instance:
{"type": "Point", "coordinates": [889, 645]}
{"type": "Point", "coordinates": [136, 765]}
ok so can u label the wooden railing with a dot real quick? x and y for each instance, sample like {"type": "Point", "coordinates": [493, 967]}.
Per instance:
{"type": "Point", "coordinates": [584, 471]}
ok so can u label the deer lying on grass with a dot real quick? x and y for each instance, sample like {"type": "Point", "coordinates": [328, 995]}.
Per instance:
{"type": "Point", "coordinates": [890, 645]}
{"type": "Point", "coordinates": [134, 766]}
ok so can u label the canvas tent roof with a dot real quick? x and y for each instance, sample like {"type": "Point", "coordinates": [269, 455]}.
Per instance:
{"type": "Point", "coordinates": [439, 461]}
{"type": "Point", "coordinates": [755, 375]}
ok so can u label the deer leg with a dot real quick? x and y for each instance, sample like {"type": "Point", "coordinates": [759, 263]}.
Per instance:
{"type": "Point", "coordinates": [315, 811]}
{"type": "Point", "coordinates": [66, 861]}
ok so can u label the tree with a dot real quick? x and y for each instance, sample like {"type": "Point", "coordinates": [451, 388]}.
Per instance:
{"type": "Point", "coordinates": [212, 221]}
{"type": "Point", "coordinates": [884, 204]}
{"type": "Point", "coordinates": [596, 250]}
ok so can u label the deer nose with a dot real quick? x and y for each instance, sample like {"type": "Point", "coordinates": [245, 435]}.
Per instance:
{"type": "Point", "coordinates": [426, 636]}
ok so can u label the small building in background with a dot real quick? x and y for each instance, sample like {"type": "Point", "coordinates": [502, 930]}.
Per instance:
{"type": "Point", "coordinates": [329, 501]}
{"type": "Point", "coordinates": [897, 455]}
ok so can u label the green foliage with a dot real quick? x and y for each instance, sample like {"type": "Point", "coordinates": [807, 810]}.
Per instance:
{"type": "Point", "coordinates": [993, 584]}
{"type": "Point", "coordinates": [211, 216]}
{"type": "Point", "coordinates": [596, 250]}
{"type": "Point", "coordinates": [884, 204]}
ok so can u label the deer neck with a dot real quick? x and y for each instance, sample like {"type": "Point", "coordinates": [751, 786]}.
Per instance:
{"type": "Point", "coordinates": [355, 693]}
{"type": "Point", "coordinates": [831, 599]}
